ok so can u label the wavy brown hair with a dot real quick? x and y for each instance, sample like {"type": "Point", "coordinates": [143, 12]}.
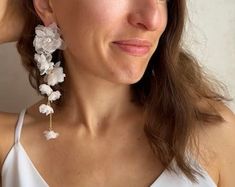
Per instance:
{"type": "Point", "coordinates": [170, 90]}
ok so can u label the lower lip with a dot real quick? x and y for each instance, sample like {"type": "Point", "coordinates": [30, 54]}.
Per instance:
{"type": "Point", "coordinates": [133, 50]}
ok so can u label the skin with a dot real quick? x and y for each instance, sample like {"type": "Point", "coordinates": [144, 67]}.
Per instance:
{"type": "Point", "coordinates": [98, 113]}
{"type": "Point", "coordinates": [98, 73]}
{"type": "Point", "coordinates": [103, 129]}
{"type": "Point", "coordinates": [11, 20]}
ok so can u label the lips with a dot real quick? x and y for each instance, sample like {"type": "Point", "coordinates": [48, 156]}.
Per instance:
{"type": "Point", "coordinates": [134, 42]}
{"type": "Point", "coordinates": [134, 47]}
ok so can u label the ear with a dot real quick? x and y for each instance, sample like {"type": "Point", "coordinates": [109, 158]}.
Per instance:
{"type": "Point", "coordinates": [45, 11]}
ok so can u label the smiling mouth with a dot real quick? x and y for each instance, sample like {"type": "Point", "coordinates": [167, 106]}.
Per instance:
{"type": "Point", "coordinates": [133, 49]}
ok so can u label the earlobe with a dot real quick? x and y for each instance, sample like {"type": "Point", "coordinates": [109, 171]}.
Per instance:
{"type": "Point", "coordinates": [45, 11]}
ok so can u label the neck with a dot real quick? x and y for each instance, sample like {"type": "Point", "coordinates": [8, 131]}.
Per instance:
{"type": "Point", "coordinates": [94, 103]}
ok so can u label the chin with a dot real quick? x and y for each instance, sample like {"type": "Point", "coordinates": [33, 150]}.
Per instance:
{"type": "Point", "coordinates": [128, 74]}
{"type": "Point", "coordinates": [129, 79]}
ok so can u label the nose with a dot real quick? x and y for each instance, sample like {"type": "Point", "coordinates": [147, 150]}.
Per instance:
{"type": "Point", "coordinates": [145, 14]}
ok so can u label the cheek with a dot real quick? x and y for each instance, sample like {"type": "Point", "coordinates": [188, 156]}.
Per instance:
{"type": "Point", "coordinates": [87, 27]}
{"type": "Point", "coordinates": [163, 18]}
{"type": "Point", "coordinates": [83, 17]}
{"type": "Point", "coordinates": [71, 19]}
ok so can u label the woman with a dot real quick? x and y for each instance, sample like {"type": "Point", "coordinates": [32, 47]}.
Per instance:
{"type": "Point", "coordinates": [135, 109]}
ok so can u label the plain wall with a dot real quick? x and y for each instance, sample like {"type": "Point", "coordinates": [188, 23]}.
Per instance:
{"type": "Point", "coordinates": [210, 35]}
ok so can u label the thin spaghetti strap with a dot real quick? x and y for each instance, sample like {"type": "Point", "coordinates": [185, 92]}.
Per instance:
{"type": "Point", "coordinates": [19, 125]}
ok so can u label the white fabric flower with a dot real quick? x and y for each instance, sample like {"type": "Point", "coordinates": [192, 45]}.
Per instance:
{"type": "Point", "coordinates": [43, 57]}
{"type": "Point", "coordinates": [47, 39]}
{"type": "Point", "coordinates": [45, 89]}
{"type": "Point", "coordinates": [55, 76]}
{"type": "Point", "coordinates": [54, 96]}
{"type": "Point", "coordinates": [46, 109]}
{"type": "Point", "coordinates": [50, 134]}
{"type": "Point", "coordinates": [44, 63]}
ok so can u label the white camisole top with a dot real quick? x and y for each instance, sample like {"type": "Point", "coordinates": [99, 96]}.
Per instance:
{"type": "Point", "coordinates": [19, 171]}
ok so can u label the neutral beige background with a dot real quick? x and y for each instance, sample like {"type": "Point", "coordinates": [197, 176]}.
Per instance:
{"type": "Point", "coordinates": [15, 90]}
{"type": "Point", "coordinates": [210, 35]}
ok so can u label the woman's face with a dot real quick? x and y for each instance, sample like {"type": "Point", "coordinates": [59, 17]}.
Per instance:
{"type": "Point", "coordinates": [90, 29]}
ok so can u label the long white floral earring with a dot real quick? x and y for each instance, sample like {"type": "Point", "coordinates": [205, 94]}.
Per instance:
{"type": "Point", "coordinates": [47, 40]}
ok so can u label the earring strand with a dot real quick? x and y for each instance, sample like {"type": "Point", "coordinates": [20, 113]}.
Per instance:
{"type": "Point", "coordinates": [46, 41]}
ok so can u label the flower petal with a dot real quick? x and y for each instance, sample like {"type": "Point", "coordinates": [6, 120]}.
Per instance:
{"type": "Point", "coordinates": [46, 109]}
{"type": "Point", "coordinates": [45, 89]}
{"type": "Point", "coordinates": [50, 134]}
{"type": "Point", "coordinates": [54, 96]}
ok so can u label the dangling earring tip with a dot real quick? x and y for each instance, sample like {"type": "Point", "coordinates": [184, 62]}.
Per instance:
{"type": "Point", "coordinates": [51, 134]}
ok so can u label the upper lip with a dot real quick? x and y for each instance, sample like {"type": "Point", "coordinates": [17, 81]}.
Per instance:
{"type": "Point", "coordinates": [135, 42]}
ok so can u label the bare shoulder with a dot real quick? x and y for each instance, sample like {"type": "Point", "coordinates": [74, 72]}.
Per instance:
{"type": "Point", "coordinates": [217, 143]}
{"type": "Point", "coordinates": [225, 140]}
{"type": "Point", "coordinates": [7, 126]}
{"type": "Point", "coordinates": [8, 123]}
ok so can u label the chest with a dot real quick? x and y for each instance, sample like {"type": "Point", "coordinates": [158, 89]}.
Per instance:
{"type": "Point", "coordinates": [96, 165]}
